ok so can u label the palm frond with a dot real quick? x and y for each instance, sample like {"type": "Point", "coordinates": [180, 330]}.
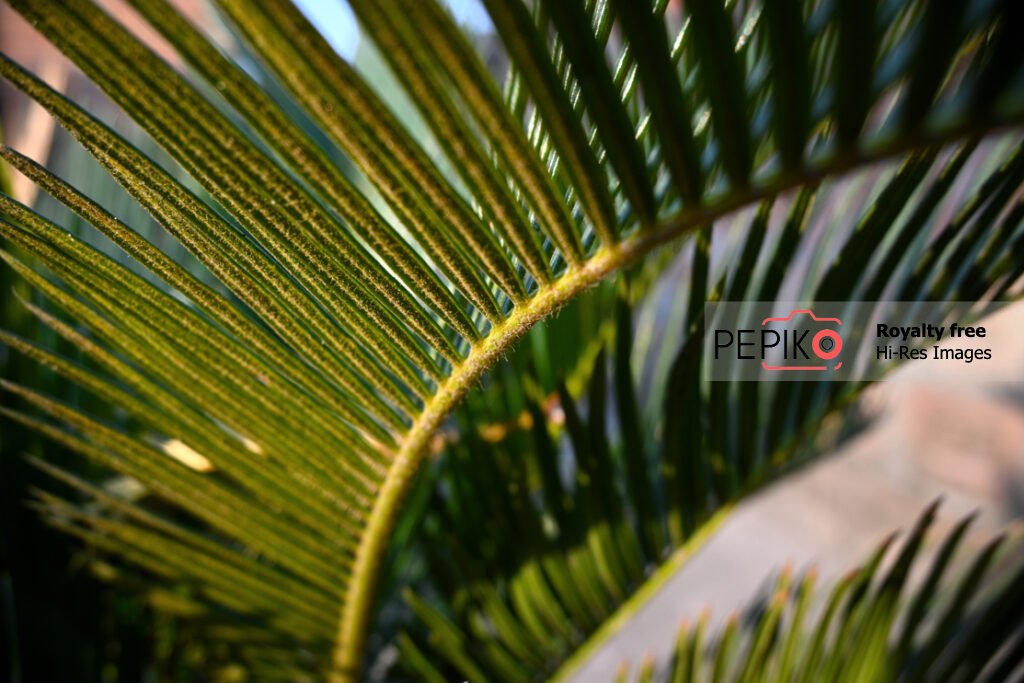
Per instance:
{"type": "Point", "coordinates": [869, 625]}
{"type": "Point", "coordinates": [357, 319]}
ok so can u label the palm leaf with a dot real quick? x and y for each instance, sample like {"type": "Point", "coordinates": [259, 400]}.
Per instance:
{"type": "Point", "coordinates": [869, 622]}
{"type": "Point", "coordinates": [358, 318]}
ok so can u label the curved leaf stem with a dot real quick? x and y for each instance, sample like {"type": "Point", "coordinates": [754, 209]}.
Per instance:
{"type": "Point", "coordinates": [358, 605]}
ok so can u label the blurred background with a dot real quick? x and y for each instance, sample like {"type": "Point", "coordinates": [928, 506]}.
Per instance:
{"type": "Point", "coordinates": [924, 437]}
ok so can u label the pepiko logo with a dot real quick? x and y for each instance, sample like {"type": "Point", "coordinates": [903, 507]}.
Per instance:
{"type": "Point", "coordinates": [798, 341]}
{"type": "Point", "coordinates": [840, 341]}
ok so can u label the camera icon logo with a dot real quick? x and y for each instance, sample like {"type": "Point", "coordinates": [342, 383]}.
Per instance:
{"type": "Point", "coordinates": [825, 346]}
